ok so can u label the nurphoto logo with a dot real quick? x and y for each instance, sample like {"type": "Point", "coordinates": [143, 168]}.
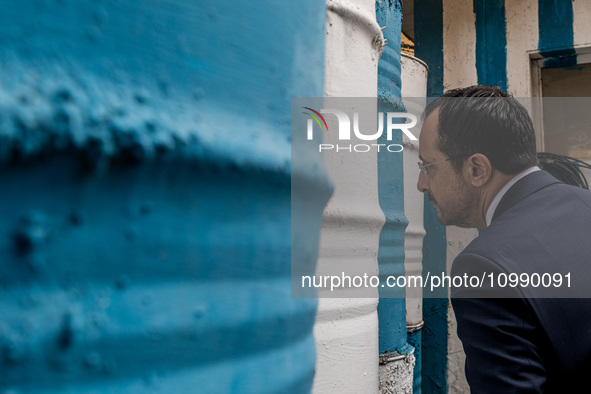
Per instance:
{"type": "Point", "coordinates": [394, 121]}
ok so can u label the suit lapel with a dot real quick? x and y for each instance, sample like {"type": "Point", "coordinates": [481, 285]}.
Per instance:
{"type": "Point", "coordinates": [529, 184]}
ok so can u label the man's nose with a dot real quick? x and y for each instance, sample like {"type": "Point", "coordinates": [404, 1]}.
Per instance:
{"type": "Point", "coordinates": [423, 183]}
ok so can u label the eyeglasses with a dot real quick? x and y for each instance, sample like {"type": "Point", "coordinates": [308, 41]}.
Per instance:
{"type": "Point", "coordinates": [423, 167]}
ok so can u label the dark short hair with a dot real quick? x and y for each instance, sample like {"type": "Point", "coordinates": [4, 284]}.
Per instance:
{"type": "Point", "coordinates": [484, 119]}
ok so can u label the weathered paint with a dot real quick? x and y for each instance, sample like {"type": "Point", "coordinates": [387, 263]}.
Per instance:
{"type": "Point", "coordinates": [522, 37]}
{"type": "Point", "coordinates": [581, 18]}
{"type": "Point", "coordinates": [146, 196]}
{"type": "Point", "coordinates": [459, 39]}
{"type": "Point", "coordinates": [491, 42]}
{"type": "Point", "coordinates": [556, 37]}
{"type": "Point", "coordinates": [429, 48]}
{"type": "Point", "coordinates": [392, 311]}
{"type": "Point", "coordinates": [346, 329]}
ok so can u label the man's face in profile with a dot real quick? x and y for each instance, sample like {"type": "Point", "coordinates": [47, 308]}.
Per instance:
{"type": "Point", "coordinates": [451, 196]}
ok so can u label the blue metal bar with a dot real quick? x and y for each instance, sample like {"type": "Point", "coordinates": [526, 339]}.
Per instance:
{"type": "Point", "coordinates": [429, 48]}
{"type": "Point", "coordinates": [392, 305]}
{"type": "Point", "coordinates": [491, 42]}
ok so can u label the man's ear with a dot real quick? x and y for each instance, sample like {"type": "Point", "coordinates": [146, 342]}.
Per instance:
{"type": "Point", "coordinates": [478, 170]}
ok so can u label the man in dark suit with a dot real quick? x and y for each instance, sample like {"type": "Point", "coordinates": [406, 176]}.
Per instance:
{"type": "Point", "coordinates": [479, 169]}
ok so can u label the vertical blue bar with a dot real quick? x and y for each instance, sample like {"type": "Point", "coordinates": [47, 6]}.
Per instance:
{"type": "Point", "coordinates": [429, 48]}
{"type": "Point", "coordinates": [429, 41]}
{"type": "Point", "coordinates": [555, 29]}
{"type": "Point", "coordinates": [391, 310]}
{"type": "Point", "coordinates": [491, 42]}
{"type": "Point", "coordinates": [414, 340]}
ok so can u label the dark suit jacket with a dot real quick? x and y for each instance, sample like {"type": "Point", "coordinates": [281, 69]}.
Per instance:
{"type": "Point", "coordinates": [529, 343]}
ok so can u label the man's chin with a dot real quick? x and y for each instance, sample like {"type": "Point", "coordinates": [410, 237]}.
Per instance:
{"type": "Point", "coordinates": [453, 221]}
{"type": "Point", "coordinates": [444, 221]}
{"type": "Point", "coordinates": [441, 220]}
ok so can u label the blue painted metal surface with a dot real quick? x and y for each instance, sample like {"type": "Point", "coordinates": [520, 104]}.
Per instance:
{"type": "Point", "coordinates": [428, 18]}
{"type": "Point", "coordinates": [555, 32]}
{"type": "Point", "coordinates": [491, 42]}
{"type": "Point", "coordinates": [414, 340]}
{"type": "Point", "coordinates": [146, 205]}
{"type": "Point", "coordinates": [429, 48]}
{"type": "Point", "coordinates": [391, 310]}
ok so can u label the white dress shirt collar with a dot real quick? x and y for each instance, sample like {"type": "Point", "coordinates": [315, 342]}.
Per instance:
{"type": "Point", "coordinates": [495, 202]}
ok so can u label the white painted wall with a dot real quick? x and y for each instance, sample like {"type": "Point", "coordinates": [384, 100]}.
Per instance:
{"type": "Point", "coordinates": [459, 43]}
{"type": "Point", "coordinates": [522, 38]}
{"type": "Point", "coordinates": [581, 26]}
